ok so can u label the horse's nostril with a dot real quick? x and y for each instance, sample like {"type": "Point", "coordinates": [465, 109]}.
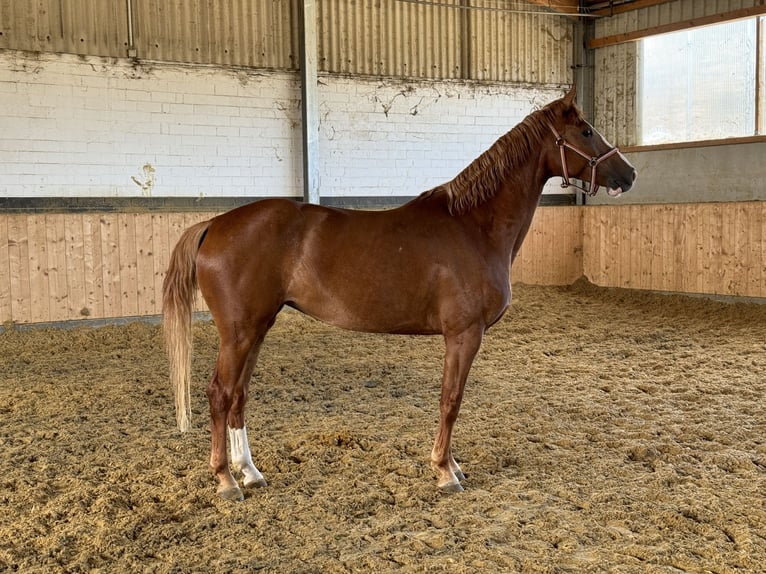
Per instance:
{"type": "Point", "coordinates": [635, 174]}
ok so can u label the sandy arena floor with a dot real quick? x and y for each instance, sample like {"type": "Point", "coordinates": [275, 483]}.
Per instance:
{"type": "Point", "coordinates": [602, 431]}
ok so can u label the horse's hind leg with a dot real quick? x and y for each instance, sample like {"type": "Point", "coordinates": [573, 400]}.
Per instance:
{"type": "Point", "coordinates": [241, 459]}
{"type": "Point", "coordinates": [228, 390]}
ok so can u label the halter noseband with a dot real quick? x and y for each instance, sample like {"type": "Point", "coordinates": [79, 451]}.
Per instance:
{"type": "Point", "coordinates": [593, 162]}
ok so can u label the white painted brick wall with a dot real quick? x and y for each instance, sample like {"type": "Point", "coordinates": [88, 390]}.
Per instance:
{"type": "Point", "coordinates": [73, 127]}
{"type": "Point", "coordinates": [399, 137]}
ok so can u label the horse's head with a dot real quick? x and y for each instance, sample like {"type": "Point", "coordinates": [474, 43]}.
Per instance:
{"type": "Point", "coordinates": [583, 153]}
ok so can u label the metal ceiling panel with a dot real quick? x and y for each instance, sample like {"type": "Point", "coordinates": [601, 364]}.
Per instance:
{"type": "Point", "coordinates": [253, 33]}
{"type": "Point", "coordinates": [93, 27]}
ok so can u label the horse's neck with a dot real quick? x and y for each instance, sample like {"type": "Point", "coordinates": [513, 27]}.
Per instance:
{"type": "Point", "coordinates": [507, 216]}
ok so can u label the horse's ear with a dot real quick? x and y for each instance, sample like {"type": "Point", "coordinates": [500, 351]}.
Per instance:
{"type": "Point", "coordinates": [569, 99]}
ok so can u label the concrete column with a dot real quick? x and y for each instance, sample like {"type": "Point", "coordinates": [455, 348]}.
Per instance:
{"type": "Point", "coordinates": [309, 100]}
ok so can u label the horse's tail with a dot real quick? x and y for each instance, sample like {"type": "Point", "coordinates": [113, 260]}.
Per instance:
{"type": "Point", "coordinates": [178, 293]}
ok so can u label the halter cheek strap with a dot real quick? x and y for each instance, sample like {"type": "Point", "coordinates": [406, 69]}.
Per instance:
{"type": "Point", "coordinates": [593, 162]}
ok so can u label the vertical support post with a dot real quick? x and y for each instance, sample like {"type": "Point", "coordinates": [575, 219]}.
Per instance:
{"type": "Point", "coordinates": [309, 101]}
{"type": "Point", "coordinates": [584, 63]}
{"type": "Point", "coordinates": [131, 39]}
{"type": "Point", "coordinates": [465, 39]}
{"type": "Point", "coordinates": [760, 81]}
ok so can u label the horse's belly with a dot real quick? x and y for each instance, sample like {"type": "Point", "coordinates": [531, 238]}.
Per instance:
{"type": "Point", "coordinates": [370, 302]}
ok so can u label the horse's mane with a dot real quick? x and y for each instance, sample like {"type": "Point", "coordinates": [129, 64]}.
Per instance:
{"type": "Point", "coordinates": [479, 181]}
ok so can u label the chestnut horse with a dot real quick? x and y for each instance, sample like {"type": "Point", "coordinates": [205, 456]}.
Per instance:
{"type": "Point", "coordinates": [439, 264]}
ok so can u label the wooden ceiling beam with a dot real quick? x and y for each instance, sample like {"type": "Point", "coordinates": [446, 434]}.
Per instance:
{"type": "Point", "coordinates": [626, 7]}
{"type": "Point", "coordinates": [570, 7]}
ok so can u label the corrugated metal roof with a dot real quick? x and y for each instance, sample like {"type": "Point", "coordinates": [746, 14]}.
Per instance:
{"type": "Point", "coordinates": [92, 27]}
{"type": "Point", "coordinates": [469, 39]}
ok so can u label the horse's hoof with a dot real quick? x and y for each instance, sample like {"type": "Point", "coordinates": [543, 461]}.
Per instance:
{"type": "Point", "coordinates": [231, 493]}
{"type": "Point", "coordinates": [451, 487]}
{"type": "Point", "coordinates": [459, 475]}
{"type": "Point", "coordinates": [257, 483]}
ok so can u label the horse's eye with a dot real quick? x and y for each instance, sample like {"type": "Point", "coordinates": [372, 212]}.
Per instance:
{"type": "Point", "coordinates": [587, 132]}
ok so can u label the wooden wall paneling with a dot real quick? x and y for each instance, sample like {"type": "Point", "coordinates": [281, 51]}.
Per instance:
{"type": "Point", "coordinates": [681, 230]}
{"type": "Point", "coordinates": [557, 240]}
{"type": "Point", "coordinates": [74, 237]}
{"type": "Point", "coordinates": [589, 241]}
{"type": "Point", "coordinates": [18, 257]}
{"type": "Point", "coordinates": [654, 231]}
{"type": "Point", "coordinates": [6, 312]}
{"type": "Point", "coordinates": [757, 278]}
{"type": "Point", "coordinates": [739, 251]}
{"type": "Point", "coordinates": [687, 272]}
{"type": "Point", "coordinates": [610, 256]}
{"type": "Point", "coordinates": [715, 278]}
{"type": "Point", "coordinates": [705, 259]}
{"type": "Point", "coordinates": [697, 254]}
{"type": "Point", "coordinates": [568, 231]}
{"type": "Point", "coordinates": [110, 259]}
{"type": "Point", "coordinates": [38, 270]}
{"type": "Point", "coordinates": [539, 254]}
{"type": "Point", "coordinates": [701, 257]}
{"type": "Point", "coordinates": [650, 248]}
{"type": "Point", "coordinates": [58, 270]}
{"type": "Point", "coordinates": [578, 249]}
{"type": "Point", "coordinates": [128, 264]}
{"type": "Point", "coordinates": [161, 256]}
{"type": "Point", "coordinates": [560, 243]}
{"type": "Point", "coordinates": [147, 297]}
{"type": "Point", "coordinates": [624, 248]}
{"type": "Point", "coordinates": [56, 267]}
{"type": "Point", "coordinates": [93, 266]}
{"type": "Point", "coordinates": [762, 259]}
{"type": "Point", "coordinates": [616, 255]}
{"type": "Point", "coordinates": [745, 250]}
{"type": "Point", "coordinates": [750, 251]}
{"type": "Point", "coordinates": [668, 246]}
{"type": "Point", "coordinates": [644, 246]}
{"type": "Point", "coordinates": [638, 255]}
{"type": "Point", "coordinates": [176, 226]}
{"type": "Point", "coordinates": [729, 278]}
{"type": "Point", "coordinates": [565, 243]}
{"type": "Point", "coordinates": [607, 247]}
{"type": "Point", "coordinates": [553, 249]}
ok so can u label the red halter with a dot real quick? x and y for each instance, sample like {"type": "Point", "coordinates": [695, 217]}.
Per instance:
{"type": "Point", "coordinates": [593, 162]}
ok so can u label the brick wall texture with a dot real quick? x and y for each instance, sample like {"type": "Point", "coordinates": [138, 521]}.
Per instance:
{"type": "Point", "coordinates": [93, 127]}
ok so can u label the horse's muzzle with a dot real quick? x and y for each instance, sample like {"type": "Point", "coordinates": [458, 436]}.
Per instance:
{"type": "Point", "coordinates": [618, 186]}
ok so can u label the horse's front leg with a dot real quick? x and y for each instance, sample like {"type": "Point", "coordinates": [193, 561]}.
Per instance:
{"type": "Point", "coordinates": [460, 352]}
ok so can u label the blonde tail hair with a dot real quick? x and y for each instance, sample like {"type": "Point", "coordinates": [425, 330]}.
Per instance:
{"type": "Point", "coordinates": [178, 293]}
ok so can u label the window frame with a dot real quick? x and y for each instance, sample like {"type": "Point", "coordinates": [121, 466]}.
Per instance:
{"type": "Point", "coordinates": [638, 34]}
{"type": "Point", "coordinates": [759, 122]}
